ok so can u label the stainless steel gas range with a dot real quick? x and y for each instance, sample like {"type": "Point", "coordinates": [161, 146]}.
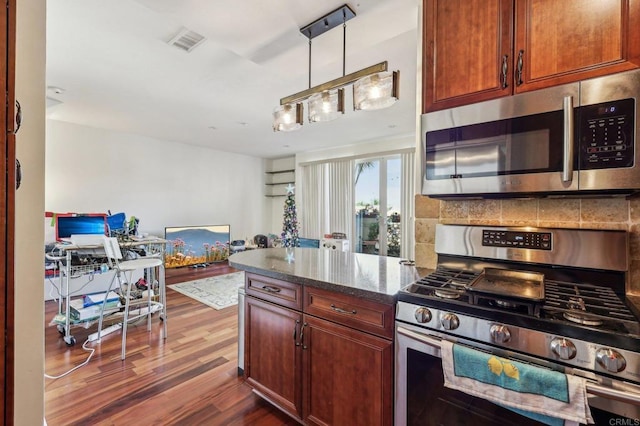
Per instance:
{"type": "Point", "coordinates": [555, 298]}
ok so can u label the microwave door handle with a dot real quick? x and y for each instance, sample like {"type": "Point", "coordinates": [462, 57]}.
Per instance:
{"type": "Point", "coordinates": [567, 166]}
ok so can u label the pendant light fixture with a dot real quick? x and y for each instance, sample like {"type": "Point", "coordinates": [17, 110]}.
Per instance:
{"type": "Point", "coordinates": [376, 91]}
{"type": "Point", "coordinates": [374, 86]}
{"type": "Point", "coordinates": [287, 117]}
{"type": "Point", "coordinates": [326, 106]}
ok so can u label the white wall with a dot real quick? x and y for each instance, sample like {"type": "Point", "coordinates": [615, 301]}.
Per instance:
{"type": "Point", "coordinates": [357, 151]}
{"type": "Point", "coordinates": [29, 309]}
{"type": "Point", "coordinates": [161, 182]}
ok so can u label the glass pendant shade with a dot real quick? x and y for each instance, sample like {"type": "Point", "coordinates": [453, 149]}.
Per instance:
{"type": "Point", "coordinates": [376, 91]}
{"type": "Point", "coordinates": [287, 117]}
{"type": "Point", "coordinates": [326, 106]}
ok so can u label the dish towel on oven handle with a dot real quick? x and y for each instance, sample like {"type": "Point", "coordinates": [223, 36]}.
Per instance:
{"type": "Point", "coordinates": [544, 395]}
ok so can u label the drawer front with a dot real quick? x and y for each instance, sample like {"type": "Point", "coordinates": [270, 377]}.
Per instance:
{"type": "Point", "coordinates": [281, 292]}
{"type": "Point", "coordinates": [365, 315]}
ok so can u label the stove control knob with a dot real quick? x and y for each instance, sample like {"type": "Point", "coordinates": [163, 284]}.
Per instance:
{"type": "Point", "coordinates": [500, 333]}
{"type": "Point", "coordinates": [422, 315]}
{"type": "Point", "coordinates": [563, 348]}
{"type": "Point", "coordinates": [611, 360]}
{"type": "Point", "coordinates": [450, 321]}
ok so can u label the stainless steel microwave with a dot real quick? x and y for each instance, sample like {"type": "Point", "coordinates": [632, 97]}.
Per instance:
{"type": "Point", "coordinates": [578, 138]}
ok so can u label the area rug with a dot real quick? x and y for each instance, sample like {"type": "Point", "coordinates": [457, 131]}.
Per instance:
{"type": "Point", "coordinates": [218, 292]}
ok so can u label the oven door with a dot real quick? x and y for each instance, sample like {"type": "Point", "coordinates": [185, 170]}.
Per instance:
{"type": "Point", "coordinates": [420, 395]}
{"type": "Point", "coordinates": [422, 399]}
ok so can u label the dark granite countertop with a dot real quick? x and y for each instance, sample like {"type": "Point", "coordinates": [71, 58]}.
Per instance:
{"type": "Point", "coordinates": [373, 277]}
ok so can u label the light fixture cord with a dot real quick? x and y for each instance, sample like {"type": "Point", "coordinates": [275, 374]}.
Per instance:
{"type": "Point", "coordinates": [344, 41]}
{"type": "Point", "coordinates": [309, 63]}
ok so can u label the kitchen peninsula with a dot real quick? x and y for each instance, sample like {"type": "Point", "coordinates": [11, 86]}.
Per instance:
{"type": "Point", "coordinates": [319, 332]}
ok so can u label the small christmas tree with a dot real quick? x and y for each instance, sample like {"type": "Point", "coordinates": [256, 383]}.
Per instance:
{"type": "Point", "coordinates": [290, 225]}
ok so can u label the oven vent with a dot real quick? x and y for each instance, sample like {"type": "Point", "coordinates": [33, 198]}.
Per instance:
{"type": "Point", "coordinates": [187, 40]}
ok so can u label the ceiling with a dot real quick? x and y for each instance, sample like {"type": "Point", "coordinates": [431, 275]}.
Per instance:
{"type": "Point", "coordinates": [116, 70]}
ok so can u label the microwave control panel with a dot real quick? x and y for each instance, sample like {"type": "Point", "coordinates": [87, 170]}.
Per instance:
{"type": "Point", "coordinates": [523, 240]}
{"type": "Point", "coordinates": [607, 134]}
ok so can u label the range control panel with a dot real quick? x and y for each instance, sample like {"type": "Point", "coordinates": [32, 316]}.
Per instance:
{"type": "Point", "coordinates": [606, 135]}
{"type": "Point", "coordinates": [524, 240]}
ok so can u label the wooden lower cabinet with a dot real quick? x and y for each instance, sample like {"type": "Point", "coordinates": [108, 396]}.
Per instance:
{"type": "Point", "coordinates": [348, 377]}
{"type": "Point", "coordinates": [318, 371]}
{"type": "Point", "coordinates": [273, 361]}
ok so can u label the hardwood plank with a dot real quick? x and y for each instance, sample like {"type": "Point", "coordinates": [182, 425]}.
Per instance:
{"type": "Point", "coordinates": [189, 378]}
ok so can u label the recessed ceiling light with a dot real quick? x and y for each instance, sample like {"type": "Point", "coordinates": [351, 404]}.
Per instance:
{"type": "Point", "coordinates": [55, 90]}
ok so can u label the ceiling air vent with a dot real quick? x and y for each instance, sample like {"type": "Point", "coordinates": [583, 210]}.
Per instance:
{"type": "Point", "coordinates": [187, 40]}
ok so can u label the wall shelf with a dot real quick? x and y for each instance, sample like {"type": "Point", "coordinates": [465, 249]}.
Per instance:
{"type": "Point", "coordinates": [280, 171]}
{"type": "Point", "coordinates": [278, 180]}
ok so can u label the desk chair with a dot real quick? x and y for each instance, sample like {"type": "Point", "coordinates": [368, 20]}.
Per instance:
{"type": "Point", "coordinates": [124, 269]}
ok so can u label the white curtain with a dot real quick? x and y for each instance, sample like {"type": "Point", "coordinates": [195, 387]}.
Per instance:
{"type": "Point", "coordinates": [407, 200]}
{"type": "Point", "coordinates": [312, 206]}
{"type": "Point", "coordinates": [340, 197]}
{"type": "Point", "coordinates": [326, 199]}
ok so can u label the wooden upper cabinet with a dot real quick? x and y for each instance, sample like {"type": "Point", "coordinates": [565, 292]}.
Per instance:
{"type": "Point", "coordinates": [477, 50]}
{"type": "Point", "coordinates": [467, 51]}
{"type": "Point", "coordinates": [566, 41]}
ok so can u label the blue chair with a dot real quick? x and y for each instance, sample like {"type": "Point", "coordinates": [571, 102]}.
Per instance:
{"type": "Point", "coordinates": [117, 224]}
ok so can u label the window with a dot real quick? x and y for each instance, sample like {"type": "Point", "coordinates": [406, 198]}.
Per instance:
{"type": "Point", "coordinates": [378, 206]}
{"type": "Point", "coordinates": [371, 200]}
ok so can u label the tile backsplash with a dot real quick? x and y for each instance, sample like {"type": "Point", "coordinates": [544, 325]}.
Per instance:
{"type": "Point", "coordinates": [587, 213]}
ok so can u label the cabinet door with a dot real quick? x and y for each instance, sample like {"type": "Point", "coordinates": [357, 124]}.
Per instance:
{"type": "Point", "coordinates": [273, 359]}
{"type": "Point", "coordinates": [348, 376]}
{"type": "Point", "coordinates": [467, 51]}
{"type": "Point", "coordinates": [565, 41]}
{"type": "Point", "coordinates": [7, 211]}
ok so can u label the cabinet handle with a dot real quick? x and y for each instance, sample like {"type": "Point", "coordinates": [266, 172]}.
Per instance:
{"type": "Point", "coordinates": [18, 119]}
{"type": "Point", "coordinates": [302, 336]}
{"type": "Point", "coordinates": [18, 174]}
{"type": "Point", "coordinates": [503, 74]}
{"type": "Point", "coordinates": [519, 68]}
{"type": "Point", "coordinates": [295, 332]}
{"type": "Point", "coordinates": [271, 289]}
{"type": "Point", "coordinates": [343, 311]}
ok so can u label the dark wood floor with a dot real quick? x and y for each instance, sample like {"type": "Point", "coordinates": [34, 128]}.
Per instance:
{"type": "Point", "coordinates": [188, 379]}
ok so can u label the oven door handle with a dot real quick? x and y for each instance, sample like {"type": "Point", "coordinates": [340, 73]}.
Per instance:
{"type": "Point", "coordinates": [613, 394]}
{"type": "Point", "coordinates": [423, 338]}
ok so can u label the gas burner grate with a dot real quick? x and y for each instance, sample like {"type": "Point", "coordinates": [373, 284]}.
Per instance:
{"type": "Point", "coordinates": [448, 278]}
{"type": "Point", "coordinates": [589, 305]}
{"type": "Point", "coordinates": [443, 283]}
{"type": "Point", "coordinates": [594, 300]}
